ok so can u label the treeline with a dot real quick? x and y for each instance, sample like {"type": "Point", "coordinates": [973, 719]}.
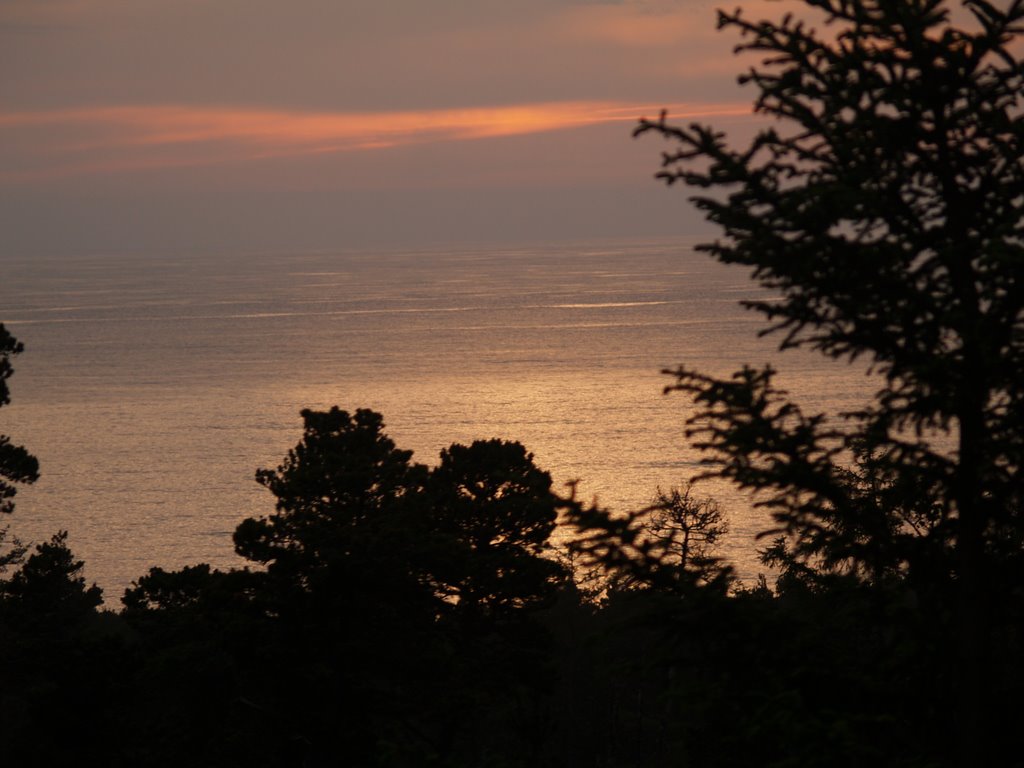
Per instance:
{"type": "Point", "coordinates": [399, 615]}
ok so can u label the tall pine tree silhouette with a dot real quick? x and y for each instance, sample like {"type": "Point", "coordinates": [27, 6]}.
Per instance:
{"type": "Point", "coordinates": [884, 207]}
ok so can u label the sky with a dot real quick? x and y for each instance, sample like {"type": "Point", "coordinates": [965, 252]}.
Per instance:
{"type": "Point", "coordinates": [156, 125]}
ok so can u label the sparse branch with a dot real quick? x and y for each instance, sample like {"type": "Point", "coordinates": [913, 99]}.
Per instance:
{"type": "Point", "coordinates": [17, 465]}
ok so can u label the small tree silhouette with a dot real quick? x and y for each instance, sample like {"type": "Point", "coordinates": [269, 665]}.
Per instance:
{"type": "Point", "coordinates": [16, 464]}
{"type": "Point", "coordinates": [686, 530]}
{"type": "Point", "coordinates": [669, 546]}
{"type": "Point", "coordinates": [50, 584]}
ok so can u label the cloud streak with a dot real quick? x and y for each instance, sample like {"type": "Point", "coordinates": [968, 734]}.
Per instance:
{"type": "Point", "coordinates": [55, 143]}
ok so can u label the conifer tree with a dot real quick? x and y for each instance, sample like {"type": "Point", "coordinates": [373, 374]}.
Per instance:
{"type": "Point", "coordinates": [16, 464]}
{"type": "Point", "coordinates": [883, 207]}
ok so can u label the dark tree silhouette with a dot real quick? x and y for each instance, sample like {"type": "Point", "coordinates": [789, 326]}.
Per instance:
{"type": "Point", "coordinates": [885, 208]}
{"type": "Point", "coordinates": [384, 585]}
{"type": "Point", "coordinates": [343, 510]}
{"type": "Point", "coordinates": [61, 662]}
{"type": "Point", "coordinates": [671, 546]}
{"type": "Point", "coordinates": [50, 584]}
{"type": "Point", "coordinates": [355, 516]}
{"type": "Point", "coordinates": [494, 512]}
{"type": "Point", "coordinates": [687, 529]}
{"type": "Point", "coordinates": [12, 550]}
{"type": "Point", "coordinates": [16, 464]}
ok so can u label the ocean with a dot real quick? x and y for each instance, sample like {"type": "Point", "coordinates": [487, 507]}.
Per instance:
{"type": "Point", "coordinates": [153, 386]}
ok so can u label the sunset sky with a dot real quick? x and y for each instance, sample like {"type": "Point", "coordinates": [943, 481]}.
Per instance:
{"type": "Point", "coordinates": [167, 124]}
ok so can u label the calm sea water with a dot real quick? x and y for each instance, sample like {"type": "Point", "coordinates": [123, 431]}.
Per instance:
{"type": "Point", "coordinates": [152, 388]}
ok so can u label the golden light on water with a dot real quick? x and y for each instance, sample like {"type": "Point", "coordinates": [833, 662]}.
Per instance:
{"type": "Point", "coordinates": [202, 374]}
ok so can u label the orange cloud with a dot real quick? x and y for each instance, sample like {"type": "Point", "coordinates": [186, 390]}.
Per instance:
{"type": "Point", "coordinates": [105, 139]}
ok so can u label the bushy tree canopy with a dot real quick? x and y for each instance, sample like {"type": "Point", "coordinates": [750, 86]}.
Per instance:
{"type": "Point", "coordinates": [495, 512]}
{"type": "Point", "coordinates": [342, 497]}
{"type": "Point", "coordinates": [50, 583]}
{"type": "Point", "coordinates": [356, 517]}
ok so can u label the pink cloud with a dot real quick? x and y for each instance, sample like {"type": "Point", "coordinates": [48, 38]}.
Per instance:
{"type": "Point", "coordinates": [114, 139]}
